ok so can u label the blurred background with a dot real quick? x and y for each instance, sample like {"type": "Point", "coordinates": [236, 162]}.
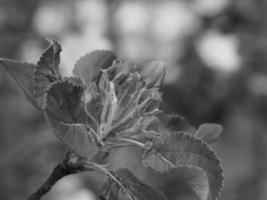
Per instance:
{"type": "Point", "coordinates": [216, 58]}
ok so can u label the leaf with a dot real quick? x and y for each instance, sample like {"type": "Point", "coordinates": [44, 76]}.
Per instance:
{"type": "Point", "coordinates": [153, 73]}
{"type": "Point", "coordinates": [128, 95]}
{"type": "Point", "coordinates": [74, 80]}
{"type": "Point", "coordinates": [93, 103]}
{"type": "Point", "coordinates": [65, 113]}
{"type": "Point", "coordinates": [175, 150]}
{"type": "Point", "coordinates": [177, 123]}
{"type": "Point", "coordinates": [46, 71]}
{"type": "Point", "coordinates": [208, 132]}
{"type": "Point", "coordinates": [121, 69]}
{"type": "Point", "coordinates": [88, 66]}
{"type": "Point", "coordinates": [127, 187]}
{"type": "Point", "coordinates": [22, 73]}
{"type": "Point", "coordinates": [109, 104]}
{"type": "Point", "coordinates": [194, 177]}
{"type": "Point", "coordinates": [173, 123]}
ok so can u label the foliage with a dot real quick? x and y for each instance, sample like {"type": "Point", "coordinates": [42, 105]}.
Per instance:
{"type": "Point", "coordinates": [111, 103]}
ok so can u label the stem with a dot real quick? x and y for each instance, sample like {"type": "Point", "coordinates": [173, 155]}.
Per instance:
{"type": "Point", "coordinates": [108, 173]}
{"type": "Point", "coordinates": [132, 141]}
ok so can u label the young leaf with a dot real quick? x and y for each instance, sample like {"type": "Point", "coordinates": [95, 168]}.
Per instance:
{"type": "Point", "coordinates": [176, 123]}
{"type": "Point", "coordinates": [22, 73]}
{"type": "Point", "coordinates": [209, 133]}
{"type": "Point", "coordinates": [65, 113]}
{"type": "Point", "coordinates": [88, 66]}
{"type": "Point", "coordinates": [126, 186]}
{"type": "Point", "coordinates": [153, 73]}
{"type": "Point", "coordinates": [74, 80]}
{"type": "Point", "coordinates": [107, 91]}
{"type": "Point", "coordinates": [136, 104]}
{"type": "Point", "coordinates": [120, 107]}
{"type": "Point", "coordinates": [120, 104]}
{"type": "Point", "coordinates": [93, 103]}
{"type": "Point", "coordinates": [128, 95]}
{"type": "Point", "coordinates": [46, 71]}
{"type": "Point", "coordinates": [121, 69]}
{"type": "Point", "coordinates": [101, 103]}
{"type": "Point", "coordinates": [175, 150]}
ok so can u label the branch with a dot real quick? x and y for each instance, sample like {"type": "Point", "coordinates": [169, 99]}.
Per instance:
{"type": "Point", "coordinates": [71, 164]}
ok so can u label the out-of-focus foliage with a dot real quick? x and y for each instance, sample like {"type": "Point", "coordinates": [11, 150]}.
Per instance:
{"type": "Point", "coordinates": [204, 81]}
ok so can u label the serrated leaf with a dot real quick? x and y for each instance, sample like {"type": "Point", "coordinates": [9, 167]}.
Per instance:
{"type": "Point", "coordinates": [175, 150]}
{"type": "Point", "coordinates": [209, 132]}
{"type": "Point", "coordinates": [46, 71]}
{"type": "Point", "coordinates": [128, 187]}
{"type": "Point", "coordinates": [88, 66]}
{"type": "Point", "coordinates": [51, 56]}
{"type": "Point", "coordinates": [22, 73]}
{"type": "Point", "coordinates": [65, 113]}
{"type": "Point", "coordinates": [194, 177]}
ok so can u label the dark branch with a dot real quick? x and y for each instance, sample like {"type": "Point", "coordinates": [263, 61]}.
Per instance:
{"type": "Point", "coordinates": [71, 164]}
{"type": "Point", "coordinates": [59, 172]}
